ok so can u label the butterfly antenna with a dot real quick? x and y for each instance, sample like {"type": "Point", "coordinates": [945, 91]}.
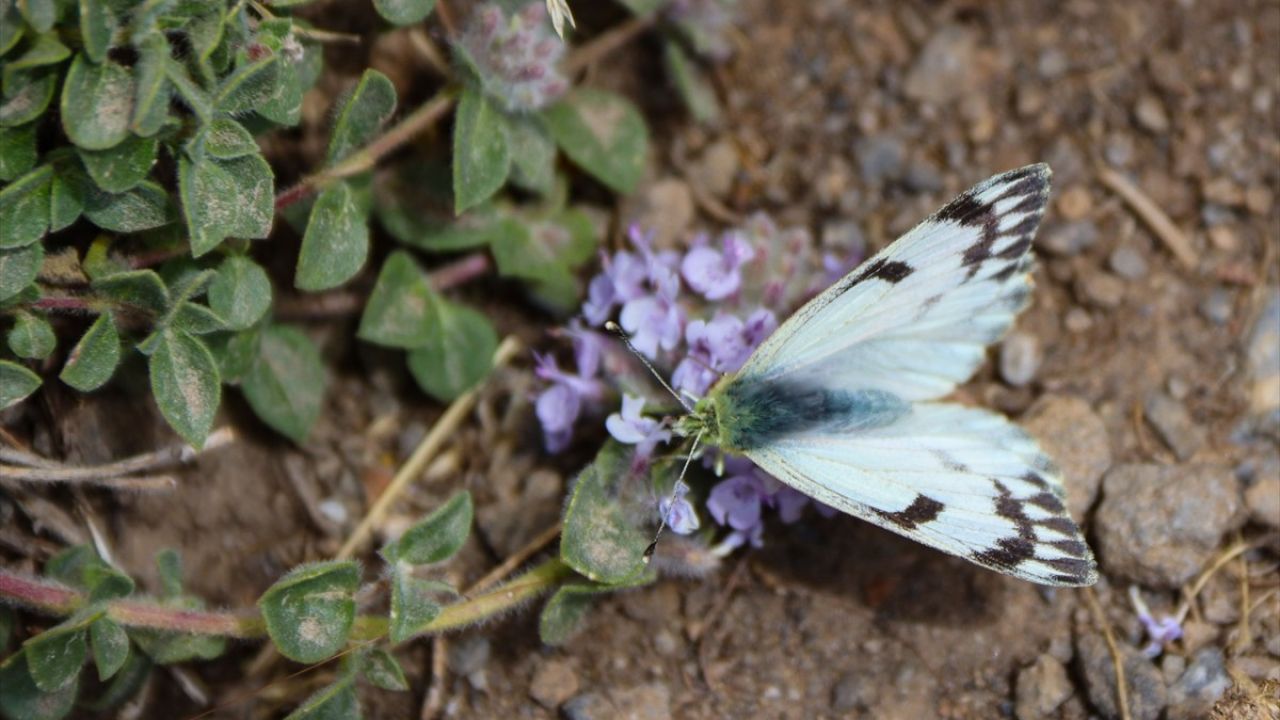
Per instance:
{"type": "Point", "coordinates": [671, 499]}
{"type": "Point", "coordinates": [616, 329]}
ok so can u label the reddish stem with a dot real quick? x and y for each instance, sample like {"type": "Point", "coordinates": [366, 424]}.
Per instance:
{"type": "Point", "coordinates": [64, 303]}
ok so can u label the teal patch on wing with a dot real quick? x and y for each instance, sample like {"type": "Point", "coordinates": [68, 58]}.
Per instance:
{"type": "Point", "coordinates": [754, 412]}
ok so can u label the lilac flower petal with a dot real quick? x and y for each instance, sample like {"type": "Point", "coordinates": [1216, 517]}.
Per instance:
{"type": "Point", "coordinates": [557, 408]}
{"type": "Point", "coordinates": [623, 431]}
{"type": "Point", "coordinates": [693, 377]}
{"type": "Point", "coordinates": [601, 297]}
{"type": "Point", "coordinates": [680, 515]}
{"type": "Point", "coordinates": [736, 502]}
{"type": "Point", "coordinates": [707, 273]}
{"type": "Point", "coordinates": [790, 503]}
{"type": "Point", "coordinates": [556, 441]}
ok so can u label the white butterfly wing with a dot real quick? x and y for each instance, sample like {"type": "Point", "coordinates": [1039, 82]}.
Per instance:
{"type": "Point", "coordinates": [962, 480]}
{"type": "Point", "coordinates": [916, 319]}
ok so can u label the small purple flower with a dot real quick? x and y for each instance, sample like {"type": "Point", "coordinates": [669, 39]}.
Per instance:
{"type": "Point", "coordinates": [559, 405]}
{"type": "Point", "coordinates": [515, 57]}
{"type": "Point", "coordinates": [719, 346]}
{"type": "Point", "coordinates": [737, 501]}
{"type": "Point", "coordinates": [632, 428]}
{"type": "Point", "coordinates": [1161, 631]}
{"type": "Point", "coordinates": [557, 408]}
{"type": "Point", "coordinates": [678, 511]}
{"type": "Point", "coordinates": [717, 274]}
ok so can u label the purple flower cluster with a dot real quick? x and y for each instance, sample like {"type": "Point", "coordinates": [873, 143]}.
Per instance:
{"type": "Point", "coordinates": [661, 298]}
{"type": "Point", "coordinates": [516, 57]}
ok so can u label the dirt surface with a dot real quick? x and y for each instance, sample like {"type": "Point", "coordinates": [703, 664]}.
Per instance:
{"type": "Point", "coordinates": [854, 120]}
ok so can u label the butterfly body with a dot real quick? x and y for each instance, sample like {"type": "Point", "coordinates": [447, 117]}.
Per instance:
{"type": "Point", "coordinates": [840, 401]}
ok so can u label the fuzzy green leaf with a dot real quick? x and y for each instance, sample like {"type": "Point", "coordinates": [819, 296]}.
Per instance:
{"type": "Point", "coordinates": [110, 646]}
{"type": "Point", "coordinates": [381, 669]}
{"type": "Point", "coordinates": [122, 167]}
{"type": "Point", "coordinates": [93, 360]}
{"type": "Point", "coordinates": [169, 568]}
{"type": "Point", "coordinates": [693, 85]}
{"type": "Point", "coordinates": [18, 269]}
{"type": "Point", "coordinates": [533, 155]}
{"type": "Point", "coordinates": [236, 352]}
{"type": "Point", "coordinates": [435, 538]}
{"type": "Point", "coordinates": [11, 26]}
{"type": "Point", "coordinates": [140, 288]}
{"type": "Point", "coordinates": [97, 26]}
{"type": "Point", "coordinates": [415, 204]}
{"type": "Point", "coordinates": [56, 655]}
{"type": "Point", "coordinates": [68, 194]}
{"type": "Point", "coordinates": [544, 251]}
{"type": "Point", "coordinates": [411, 603]}
{"type": "Point", "coordinates": [27, 95]}
{"type": "Point", "coordinates": [151, 101]}
{"type": "Point", "coordinates": [185, 383]}
{"type": "Point", "coordinates": [562, 616]}
{"type": "Point", "coordinates": [124, 685]}
{"type": "Point", "coordinates": [46, 49]}
{"type": "Point", "coordinates": [248, 87]}
{"type": "Point", "coordinates": [97, 103]}
{"type": "Point", "coordinates": [241, 292]}
{"type": "Point", "coordinates": [371, 103]}
{"type": "Point", "coordinates": [168, 648]}
{"type": "Point", "coordinates": [399, 310]}
{"type": "Point", "coordinates": [226, 198]}
{"type": "Point", "coordinates": [16, 383]}
{"type": "Point", "coordinates": [144, 207]}
{"type": "Point", "coordinates": [226, 139]}
{"type": "Point", "coordinates": [337, 701]}
{"type": "Point", "coordinates": [196, 319]}
{"type": "Point", "coordinates": [31, 337]}
{"type": "Point", "coordinates": [285, 385]}
{"type": "Point", "coordinates": [17, 150]}
{"type": "Point", "coordinates": [600, 540]}
{"type": "Point", "coordinates": [40, 14]}
{"type": "Point", "coordinates": [105, 582]}
{"type": "Point", "coordinates": [481, 158]}
{"type": "Point", "coordinates": [309, 612]}
{"type": "Point", "coordinates": [21, 699]}
{"type": "Point", "coordinates": [194, 96]}
{"type": "Point", "coordinates": [404, 12]}
{"type": "Point", "coordinates": [458, 353]}
{"type": "Point", "coordinates": [24, 208]}
{"type": "Point", "coordinates": [336, 242]}
{"type": "Point", "coordinates": [603, 134]}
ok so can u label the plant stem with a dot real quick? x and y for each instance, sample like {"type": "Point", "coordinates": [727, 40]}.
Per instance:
{"type": "Point", "coordinates": [50, 598]}
{"type": "Point", "coordinates": [364, 159]}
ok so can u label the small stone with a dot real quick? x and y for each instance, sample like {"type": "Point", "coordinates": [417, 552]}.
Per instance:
{"type": "Point", "coordinates": [880, 158]}
{"type": "Point", "coordinates": [644, 702]}
{"type": "Point", "coordinates": [1100, 289]}
{"type": "Point", "coordinates": [1224, 237]}
{"type": "Point", "coordinates": [854, 691]}
{"type": "Point", "coordinates": [1262, 360]}
{"type": "Point", "coordinates": [1041, 688]}
{"type": "Point", "coordinates": [1071, 433]}
{"type": "Point", "coordinates": [1199, 687]}
{"type": "Point", "coordinates": [1078, 320]}
{"type": "Point", "coordinates": [1052, 63]}
{"type": "Point", "coordinates": [665, 643]}
{"type": "Point", "coordinates": [334, 510]}
{"type": "Point", "coordinates": [1216, 307]}
{"type": "Point", "coordinates": [944, 69]}
{"type": "Point", "coordinates": [1069, 239]}
{"type": "Point", "coordinates": [1020, 358]}
{"type": "Point", "coordinates": [1258, 199]}
{"type": "Point", "coordinates": [1128, 263]}
{"type": "Point", "coordinates": [1223, 191]}
{"type": "Point", "coordinates": [923, 176]}
{"type": "Point", "coordinates": [1159, 525]}
{"type": "Point", "coordinates": [1147, 693]}
{"type": "Point", "coordinates": [469, 654]}
{"type": "Point", "coordinates": [1075, 203]}
{"type": "Point", "coordinates": [665, 208]}
{"type": "Point", "coordinates": [715, 170]}
{"type": "Point", "coordinates": [1174, 425]}
{"type": "Point", "coordinates": [1263, 501]}
{"type": "Point", "coordinates": [589, 706]}
{"type": "Point", "coordinates": [553, 683]}
{"type": "Point", "coordinates": [1151, 114]}
{"type": "Point", "coordinates": [1118, 150]}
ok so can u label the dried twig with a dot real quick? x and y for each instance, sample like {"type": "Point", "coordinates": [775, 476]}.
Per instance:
{"type": "Point", "coordinates": [530, 549]}
{"type": "Point", "coordinates": [1189, 594]}
{"type": "Point", "coordinates": [99, 474]}
{"type": "Point", "coordinates": [1152, 215]}
{"type": "Point", "coordinates": [605, 43]}
{"type": "Point", "coordinates": [1122, 686]}
{"type": "Point", "coordinates": [433, 700]}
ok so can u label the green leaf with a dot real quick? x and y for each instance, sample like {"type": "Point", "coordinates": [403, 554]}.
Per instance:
{"type": "Point", "coordinates": [199, 101]}
{"type": "Point", "coordinates": [11, 26]}
{"type": "Point", "coordinates": [285, 385]}
{"type": "Point", "coordinates": [18, 269]}
{"type": "Point", "coordinates": [93, 360]}
{"type": "Point", "coordinates": [690, 81]}
{"type": "Point", "coordinates": [56, 655]}
{"type": "Point", "coordinates": [144, 207]}
{"type": "Point", "coordinates": [110, 646]}
{"type": "Point", "coordinates": [169, 568]}
{"type": "Point", "coordinates": [24, 208]}
{"type": "Point", "coordinates": [151, 101]}
{"type": "Point", "coordinates": [46, 49]}
{"type": "Point", "coordinates": [97, 103]}
{"type": "Point", "coordinates": [6, 626]}
{"type": "Point", "coordinates": [371, 103]}
{"type": "Point", "coordinates": [122, 167]}
{"type": "Point", "coordinates": [533, 155]}
{"type": "Point", "coordinates": [545, 250]}
{"type": "Point", "coordinates": [97, 26]}
{"type": "Point", "coordinates": [17, 150]}
{"type": "Point", "coordinates": [27, 95]}
{"type": "Point", "coordinates": [334, 702]}
{"type": "Point", "coordinates": [336, 242]}
{"type": "Point", "coordinates": [600, 540]}
{"type": "Point", "coordinates": [603, 134]}
{"type": "Point", "coordinates": [435, 538]}
{"type": "Point", "coordinates": [248, 87]}
{"type": "Point", "coordinates": [68, 565]}
{"type": "Point", "coordinates": [140, 288]}
{"type": "Point", "coordinates": [68, 194]}
{"type": "Point", "coordinates": [168, 648]}
{"type": "Point", "coordinates": [31, 337]}
{"type": "Point", "coordinates": [226, 139]}
{"type": "Point", "coordinates": [185, 382]}
{"type": "Point", "coordinates": [309, 612]}
{"type": "Point", "coordinates": [399, 310]}
{"type": "Point", "coordinates": [196, 319]}
{"type": "Point", "coordinates": [16, 383]}
{"type": "Point", "coordinates": [21, 699]}
{"type": "Point", "coordinates": [105, 582]}
{"type": "Point", "coordinates": [40, 14]}
{"type": "Point", "coordinates": [124, 685]}
{"type": "Point", "coordinates": [411, 604]}
{"type": "Point", "coordinates": [562, 616]}
{"type": "Point", "coordinates": [381, 669]}
{"type": "Point", "coordinates": [241, 292]}
{"type": "Point", "coordinates": [226, 198]}
{"type": "Point", "coordinates": [235, 353]}
{"type": "Point", "coordinates": [415, 204]}
{"type": "Point", "coordinates": [458, 353]}
{"type": "Point", "coordinates": [404, 12]}
{"type": "Point", "coordinates": [481, 159]}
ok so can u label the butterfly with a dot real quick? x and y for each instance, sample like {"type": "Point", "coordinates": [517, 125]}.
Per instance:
{"type": "Point", "coordinates": [840, 402]}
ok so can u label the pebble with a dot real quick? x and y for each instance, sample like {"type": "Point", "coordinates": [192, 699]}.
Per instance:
{"type": "Point", "coordinates": [1147, 693]}
{"type": "Point", "coordinates": [1151, 114]}
{"type": "Point", "coordinates": [1078, 320]}
{"type": "Point", "coordinates": [666, 208]}
{"type": "Point", "coordinates": [1020, 358]}
{"type": "Point", "coordinates": [1262, 359]}
{"type": "Point", "coordinates": [1224, 237]}
{"type": "Point", "coordinates": [1174, 425]}
{"type": "Point", "coordinates": [944, 69]}
{"type": "Point", "coordinates": [1223, 191]}
{"type": "Point", "coordinates": [1118, 150]}
{"type": "Point", "coordinates": [665, 643]}
{"type": "Point", "coordinates": [553, 683]}
{"type": "Point", "coordinates": [1041, 688]}
{"type": "Point", "coordinates": [1216, 307]}
{"type": "Point", "coordinates": [1263, 500]}
{"type": "Point", "coordinates": [1052, 63]}
{"type": "Point", "coordinates": [1071, 433]}
{"type": "Point", "coordinates": [923, 176]}
{"type": "Point", "coordinates": [1159, 525]}
{"type": "Point", "coordinates": [1200, 686]}
{"type": "Point", "coordinates": [1258, 199]}
{"type": "Point", "coordinates": [1128, 263]}
{"type": "Point", "coordinates": [1069, 239]}
{"type": "Point", "coordinates": [715, 170]}
{"type": "Point", "coordinates": [854, 691]}
{"type": "Point", "coordinates": [880, 158]}
{"type": "Point", "coordinates": [644, 702]}
{"type": "Point", "coordinates": [468, 654]}
{"type": "Point", "coordinates": [1075, 203]}
{"type": "Point", "coordinates": [1100, 288]}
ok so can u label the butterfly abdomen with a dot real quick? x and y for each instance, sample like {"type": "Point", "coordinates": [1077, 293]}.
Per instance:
{"type": "Point", "coordinates": [752, 412]}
